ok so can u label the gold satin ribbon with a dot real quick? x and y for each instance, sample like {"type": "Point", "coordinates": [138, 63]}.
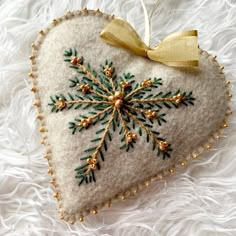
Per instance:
{"type": "Point", "coordinates": [179, 49]}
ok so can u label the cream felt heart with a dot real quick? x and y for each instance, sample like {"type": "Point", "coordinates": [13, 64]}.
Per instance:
{"type": "Point", "coordinates": [108, 130]}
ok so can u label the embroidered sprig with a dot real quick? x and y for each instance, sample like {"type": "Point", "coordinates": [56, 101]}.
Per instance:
{"type": "Point", "coordinates": [116, 103]}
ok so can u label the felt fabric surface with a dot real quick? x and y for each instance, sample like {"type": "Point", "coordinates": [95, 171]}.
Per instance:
{"type": "Point", "coordinates": [199, 200]}
{"type": "Point", "coordinates": [187, 128]}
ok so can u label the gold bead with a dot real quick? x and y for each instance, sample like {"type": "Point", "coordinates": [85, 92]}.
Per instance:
{"type": "Point", "coordinates": [81, 219]}
{"type": "Point", "coordinates": [85, 88]}
{"type": "Point", "coordinates": [108, 71]}
{"type": "Point", "coordinates": [118, 103]}
{"type": "Point", "coordinates": [41, 32]}
{"type": "Point", "coordinates": [108, 74]}
{"type": "Point", "coordinates": [33, 46]}
{"type": "Point", "coordinates": [50, 171]}
{"type": "Point", "coordinates": [86, 122]}
{"type": "Point", "coordinates": [42, 142]}
{"type": "Point", "coordinates": [56, 195]}
{"type": "Point", "coordinates": [95, 211]}
{"type": "Point", "coordinates": [183, 163]}
{"type": "Point", "coordinates": [33, 89]}
{"type": "Point", "coordinates": [42, 130]}
{"type": "Point", "coordinates": [85, 125]}
{"type": "Point", "coordinates": [172, 170]}
{"type": "Point", "coordinates": [122, 197]}
{"type": "Point", "coordinates": [207, 146]}
{"type": "Point", "coordinates": [53, 181]}
{"type": "Point", "coordinates": [163, 145]}
{"type": "Point", "coordinates": [31, 75]}
{"type": "Point", "coordinates": [194, 156]}
{"type": "Point", "coordinates": [129, 139]}
{"type": "Point", "coordinates": [32, 57]}
{"type": "Point", "coordinates": [225, 125]}
{"type": "Point", "coordinates": [147, 183]}
{"type": "Point", "coordinates": [125, 84]}
{"type": "Point", "coordinates": [222, 67]}
{"type": "Point", "coordinates": [54, 21]}
{"type": "Point", "coordinates": [60, 104]}
{"type": "Point", "coordinates": [118, 95]}
{"type": "Point", "coordinates": [230, 96]}
{"type": "Point", "coordinates": [39, 117]}
{"type": "Point", "coordinates": [228, 82]}
{"type": "Point", "coordinates": [178, 98]}
{"type": "Point", "coordinates": [75, 61]}
{"type": "Point", "coordinates": [147, 83]}
{"type": "Point", "coordinates": [151, 114]}
{"type": "Point", "coordinates": [134, 136]}
{"type": "Point", "coordinates": [111, 98]}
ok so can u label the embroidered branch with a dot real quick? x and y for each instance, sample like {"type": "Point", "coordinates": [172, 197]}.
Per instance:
{"type": "Point", "coordinates": [115, 103]}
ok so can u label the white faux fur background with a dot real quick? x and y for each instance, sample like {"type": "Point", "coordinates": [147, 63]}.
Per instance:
{"type": "Point", "coordinates": [199, 201]}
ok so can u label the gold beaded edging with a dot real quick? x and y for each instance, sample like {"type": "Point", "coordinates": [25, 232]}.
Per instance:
{"type": "Point", "coordinates": [71, 218]}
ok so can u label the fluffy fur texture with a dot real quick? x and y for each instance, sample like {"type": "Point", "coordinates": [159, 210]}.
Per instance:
{"type": "Point", "coordinates": [198, 201]}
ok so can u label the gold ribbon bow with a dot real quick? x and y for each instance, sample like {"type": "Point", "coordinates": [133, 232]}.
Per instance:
{"type": "Point", "coordinates": [179, 49]}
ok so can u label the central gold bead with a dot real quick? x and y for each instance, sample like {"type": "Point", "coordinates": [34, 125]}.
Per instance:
{"type": "Point", "coordinates": [118, 103]}
{"type": "Point", "coordinates": [118, 94]}
{"type": "Point", "coordinates": [117, 99]}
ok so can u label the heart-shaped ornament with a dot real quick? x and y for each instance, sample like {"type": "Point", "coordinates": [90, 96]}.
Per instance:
{"type": "Point", "coordinates": [112, 121]}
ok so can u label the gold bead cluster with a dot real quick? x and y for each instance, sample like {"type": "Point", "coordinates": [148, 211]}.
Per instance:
{"type": "Point", "coordinates": [163, 145]}
{"type": "Point", "coordinates": [131, 137]}
{"type": "Point", "coordinates": [151, 114]}
{"type": "Point", "coordinates": [60, 104]}
{"type": "Point", "coordinates": [108, 71]}
{"type": "Point", "coordinates": [125, 84]}
{"type": "Point", "coordinates": [92, 164]}
{"type": "Point", "coordinates": [147, 83]}
{"type": "Point", "coordinates": [85, 88]}
{"type": "Point", "coordinates": [75, 61]}
{"type": "Point", "coordinates": [117, 99]}
{"type": "Point", "coordinates": [86, 122]}
{"type": "Point", "coordinates": [178, 98]}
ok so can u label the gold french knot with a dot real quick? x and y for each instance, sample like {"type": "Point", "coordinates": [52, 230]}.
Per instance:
{"type": "Point", "coordinates": [108, 71]}
{"type": "Point", "coordinates": [75, 61]}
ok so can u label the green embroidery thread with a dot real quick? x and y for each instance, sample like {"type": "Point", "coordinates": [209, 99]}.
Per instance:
{"type": "Point", "coordinates": [115, 103]}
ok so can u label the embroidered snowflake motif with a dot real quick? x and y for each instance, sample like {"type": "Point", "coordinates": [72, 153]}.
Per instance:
{"type": "Point", "coordinates": [115, 103]}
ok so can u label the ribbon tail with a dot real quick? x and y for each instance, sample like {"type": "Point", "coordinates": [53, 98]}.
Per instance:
{"type": "Point", "coordinates": [179, 50]}
{"type": "Point", "coordinates": [120, 33]}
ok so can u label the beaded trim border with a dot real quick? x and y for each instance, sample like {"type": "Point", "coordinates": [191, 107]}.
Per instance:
{"type": "Point", "coordinates": [72, 218]}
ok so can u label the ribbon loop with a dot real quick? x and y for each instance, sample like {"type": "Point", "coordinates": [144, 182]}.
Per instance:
{"type": "Point", "coordinates": [179, 49]}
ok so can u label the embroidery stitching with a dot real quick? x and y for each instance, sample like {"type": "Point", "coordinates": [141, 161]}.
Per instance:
{"type": "Point", "coordinates": [116, 102]}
